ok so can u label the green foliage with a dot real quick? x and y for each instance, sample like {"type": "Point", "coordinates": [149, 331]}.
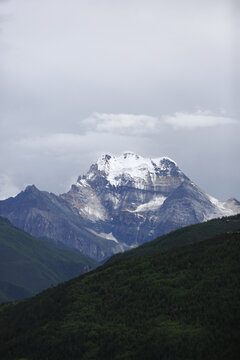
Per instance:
{"type": "Point", "coordinates": [29, 265]}
{"type": "Point", "coordinates": [180, 304]}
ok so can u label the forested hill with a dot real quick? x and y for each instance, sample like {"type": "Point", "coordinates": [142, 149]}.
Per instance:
{"type": "Point", "coordinates": [184, 236]}
{"type": "Point", "coordinates": [28, 265]}
{"type": "Point", "coordinates": [180, 304]}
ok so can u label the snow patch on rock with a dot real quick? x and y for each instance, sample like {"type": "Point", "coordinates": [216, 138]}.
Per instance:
{"type": "Point", "coordinates": [222, 208]}
{"type": "Point", "coordinates": [103, 235]}
{"type": "Point", "coordinates": [152, 205]}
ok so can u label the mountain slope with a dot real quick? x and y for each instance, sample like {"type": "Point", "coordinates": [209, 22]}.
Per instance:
{"type": "Point", "coordinates": [44, 214]}
{"type": "Point", "coordinates": [29, 265]}
{"type": "Point", "coordinates": [181, 237]}
{"type": "Point", "coordinates": [119, 204]}
{"type": "Point", "coordinates": [181, 304]}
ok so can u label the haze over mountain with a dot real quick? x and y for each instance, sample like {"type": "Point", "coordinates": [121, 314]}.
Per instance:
{"type": "Point", "coordinates": [120, 203]}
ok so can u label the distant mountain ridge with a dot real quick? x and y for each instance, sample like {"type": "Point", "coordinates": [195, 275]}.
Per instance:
{"type": "Point", "coordinates": [181, 237]}
{"type": "Point", "coordinates": [44, 214]}
{"type": "Point", "coordinates": [122, 202]}
{"type": "Point", "coordinates": [29, 265]}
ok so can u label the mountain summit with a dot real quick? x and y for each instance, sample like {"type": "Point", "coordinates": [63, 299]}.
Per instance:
{"type": "Point", "coordinates": [129, 183]}
{"type": "Point", "coordinates": [122, 202]}
{"type": "Point", "coordinates": [130, 168]}
{"type": "Point", "coordinates": [136, 199]}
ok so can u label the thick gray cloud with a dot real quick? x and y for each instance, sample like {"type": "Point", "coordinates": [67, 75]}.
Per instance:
{"type": "Point", "coordinates": [78, 78]}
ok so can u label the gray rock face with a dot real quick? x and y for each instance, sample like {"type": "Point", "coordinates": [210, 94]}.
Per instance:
{"type": "Point", "coordinates": [46, 215]}
{"type": "Point", "coordinates": [137, 199]}
{"type": "Point", "coordinates": [120, 203]}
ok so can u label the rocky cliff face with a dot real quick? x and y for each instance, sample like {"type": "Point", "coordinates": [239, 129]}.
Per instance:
{"type": "Point", "coordinates": [120, 203]}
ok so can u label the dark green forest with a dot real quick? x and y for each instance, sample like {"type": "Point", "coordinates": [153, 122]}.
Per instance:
{"type": "Point", "coordinates": [183, 303]}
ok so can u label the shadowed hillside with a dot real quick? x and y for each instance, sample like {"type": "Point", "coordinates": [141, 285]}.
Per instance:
{"type": "Point", "coordinates": [180, 304]}
{"type": "Point", "coordinates": [29, 265]}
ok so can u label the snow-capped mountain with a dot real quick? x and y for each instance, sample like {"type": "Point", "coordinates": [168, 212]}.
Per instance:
{"type": "Point", "coordinates": [146, 184]}
{"type": "Point", "coordinates": [136, 199]}
{"type": "Point", "coordinates": [120, 203]}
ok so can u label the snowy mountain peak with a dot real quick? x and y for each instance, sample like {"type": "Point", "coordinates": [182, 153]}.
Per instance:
{"type": "Point", "coordinates": [132, 168]}
{"type": "Point", "coordinates": [132, 158]}
{"type": "Point", "coordinates": [130, 155]}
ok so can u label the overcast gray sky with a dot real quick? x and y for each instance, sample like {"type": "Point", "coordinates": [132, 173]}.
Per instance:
{"type": "Point", "coordinates": [79, 78]}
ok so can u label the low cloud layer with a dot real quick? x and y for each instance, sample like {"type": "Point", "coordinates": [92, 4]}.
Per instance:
{"type": "Point", "coordinates": [144, 125]}
{"type": "Point", "coordinates": [123, 124]}
{"type": "Point", "coordinates": [199, 119]}
{"type": "Point", "coordinates": [200, 142]}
